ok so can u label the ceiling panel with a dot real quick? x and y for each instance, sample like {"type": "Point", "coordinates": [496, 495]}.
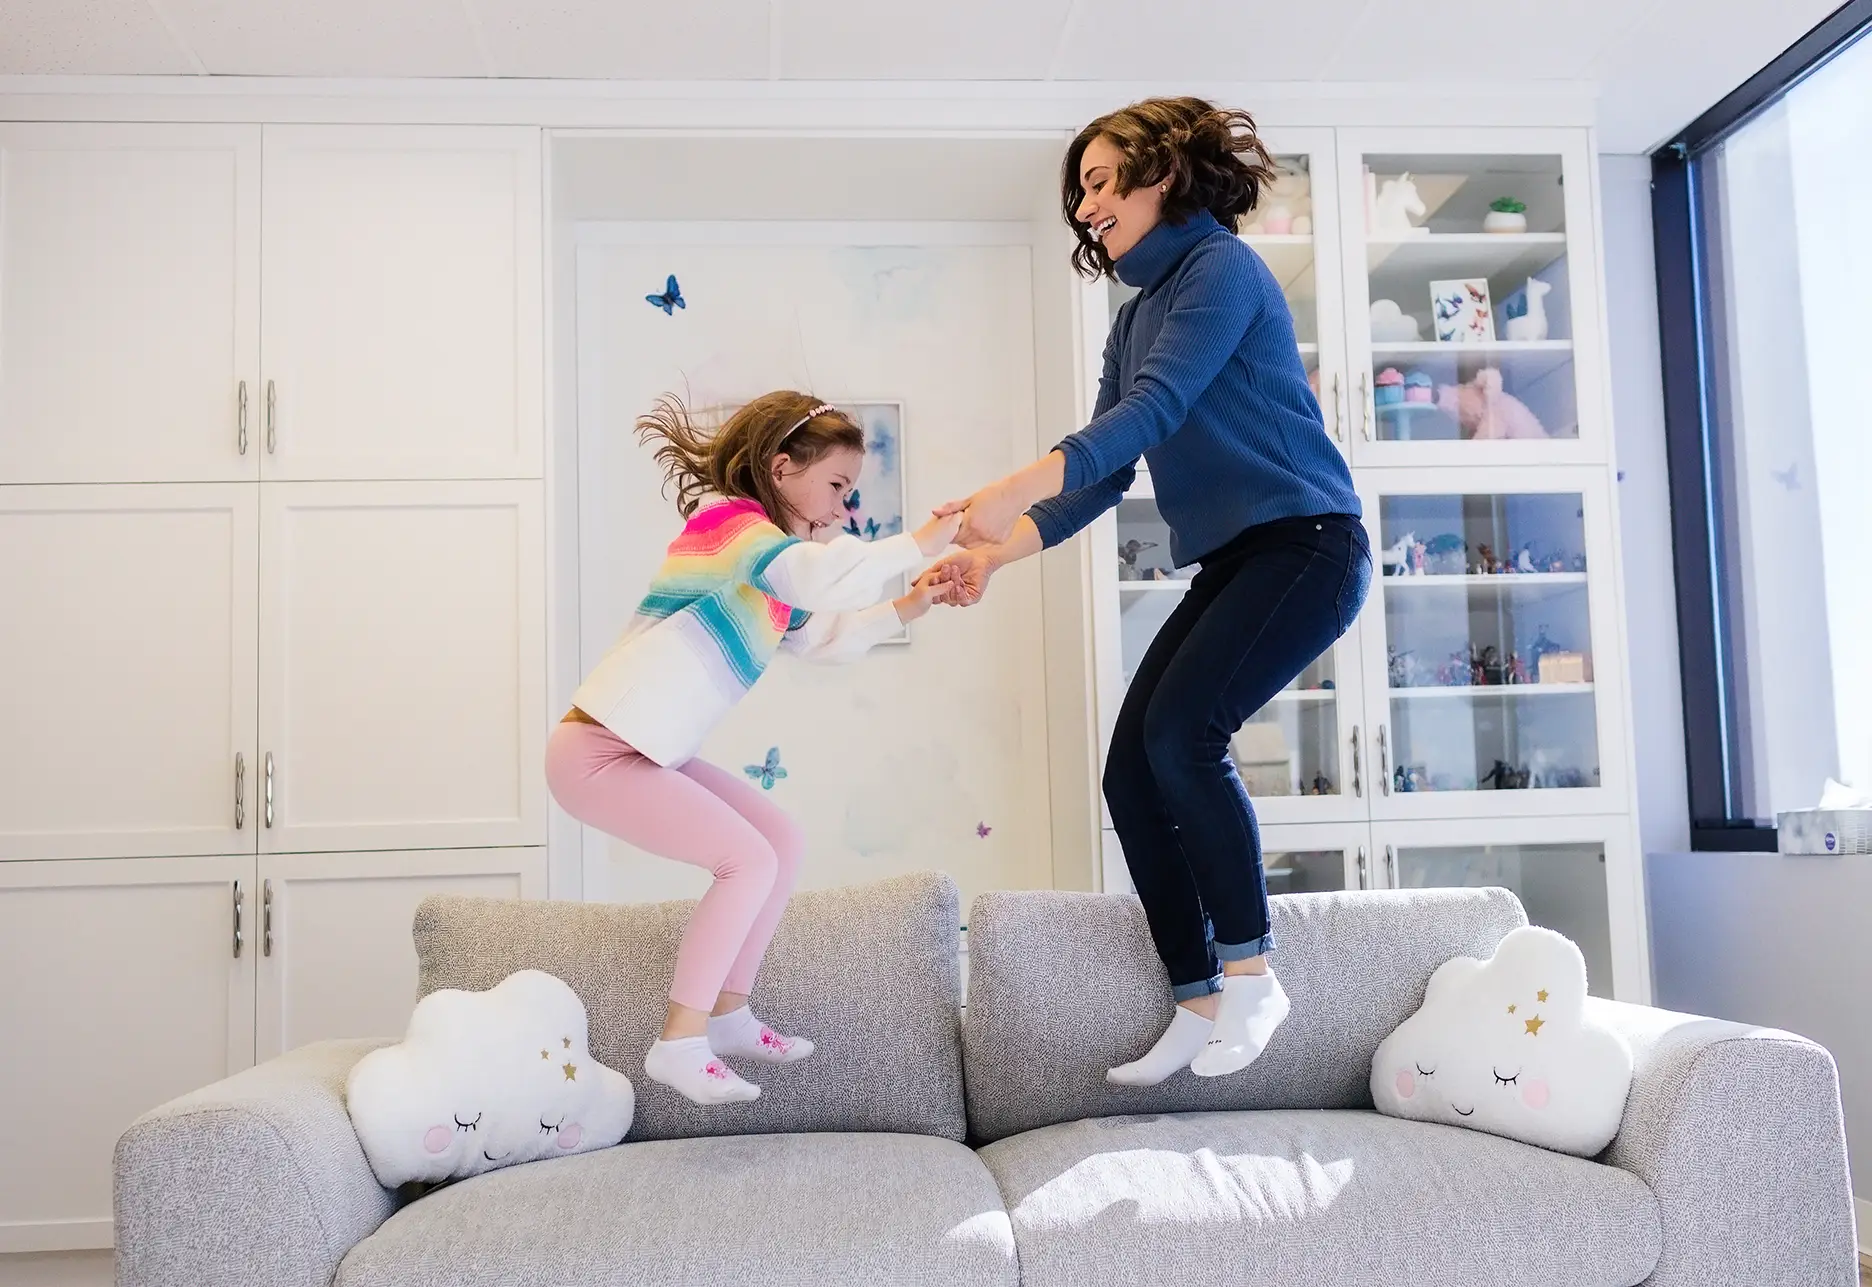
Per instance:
{"type": "Point", "coordinates": [627, 39]}
{"type": "Point", "coordinates": [86, 37]}
{"type": "Point", "coordinates": [329, 37]}
{"type": "Point", "coordinates": [1238, 40]}
{"type": "Point", "coordinates": [1452, 43]}
{"type": "Point", "coordinates": [899, 40]}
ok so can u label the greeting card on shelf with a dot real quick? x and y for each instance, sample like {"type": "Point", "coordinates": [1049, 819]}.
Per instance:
{"type": "Point", "coordinates": [1462, 311]}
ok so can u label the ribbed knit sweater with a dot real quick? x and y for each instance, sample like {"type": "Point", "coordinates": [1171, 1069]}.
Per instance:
{"type": "Point", "coordinates": [1203, 379]}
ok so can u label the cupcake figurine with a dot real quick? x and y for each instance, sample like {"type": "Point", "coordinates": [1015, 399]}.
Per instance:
{"type": "Point", "coordinates": [1389, 389]}
{"type": "Point", "coordinates": [1419, 387]}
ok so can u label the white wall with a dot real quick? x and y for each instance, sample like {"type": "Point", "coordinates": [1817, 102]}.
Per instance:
{"type": "Point", "coordinates": [1644, 503]}
{"type": "Point", "coordinates": [893, 761]}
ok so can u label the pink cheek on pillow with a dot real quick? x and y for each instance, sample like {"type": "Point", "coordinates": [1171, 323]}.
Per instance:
{"type": "Point", "coordinates": [437, 1140]}
{"type": "Point", "coordinates": [569, 1136]}
{"type": "Point", "coordinates": [1535, 1094]}
{"type": "Point", "coordinates": [1406, 1083]}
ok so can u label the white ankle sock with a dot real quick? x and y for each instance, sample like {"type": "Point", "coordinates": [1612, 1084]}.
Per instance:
{"type": "Point", "coordinates": [688, 1067]}
{"type": "Point", "coordinates": [1253, 1005]}
{"type": "Point", "coordinates": [1180, 1043]}
{"type": "Point", "coordinates": [739, 1035]}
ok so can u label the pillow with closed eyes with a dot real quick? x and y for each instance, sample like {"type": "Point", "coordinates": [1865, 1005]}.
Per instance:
{"type": "Point", "coordinates": [484, 1080]}
{"type": "Point", "coordinates": [1506, 1046]}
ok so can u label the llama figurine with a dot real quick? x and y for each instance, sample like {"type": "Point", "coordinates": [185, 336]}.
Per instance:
{"type": "Point", "coordinates": [1531, 325]}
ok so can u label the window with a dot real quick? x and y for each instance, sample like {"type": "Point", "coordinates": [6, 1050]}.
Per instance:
{"type": "Point", "coordinates": [1765, 299]}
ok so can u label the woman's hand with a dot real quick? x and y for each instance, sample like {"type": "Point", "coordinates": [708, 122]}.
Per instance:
{"type": "Point", "coordinates": [939, 533]}
{"type": "Point", "coordinates": [932, 587]}
{"type": "Point", "coordinates": [989, 516]}
{"type": "Point", "coordinates": [966, 575]}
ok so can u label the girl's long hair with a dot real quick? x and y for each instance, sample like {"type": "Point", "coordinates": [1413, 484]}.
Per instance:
{"type": "Point", "coordinates": [735, 458]}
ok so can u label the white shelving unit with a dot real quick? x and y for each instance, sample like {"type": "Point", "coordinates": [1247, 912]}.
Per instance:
{"type": "Point", "coordinates": [1425, 748]}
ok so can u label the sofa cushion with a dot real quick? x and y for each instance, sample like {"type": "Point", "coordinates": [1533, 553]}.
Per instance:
{"type": "Point", "coordinates": [1063, 986]}
{"type": "Point", "coordinates": [870, 974]}
{"type": "Point", "coordinates": [1314, 1197]}
{"type": "Point", "coordinates": [787, 1210]}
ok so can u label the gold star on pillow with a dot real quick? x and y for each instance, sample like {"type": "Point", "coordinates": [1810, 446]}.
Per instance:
{"type": "Point", "coordinates": [1534, 1025]}
{"type": "Point", "coordinates": [571, 1072]}
{"type": "Point", "coordinates": [544, 1055]}
{"type": "Point", "coordinates": [568, 1040]}
{"type": "Point", "coordinates": [1541, 995]}
{"type": "Point", "coordinates": [1512, 1009]}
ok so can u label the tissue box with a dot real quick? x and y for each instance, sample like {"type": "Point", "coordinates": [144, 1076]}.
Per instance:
{"type": "Point", "coordinates": [1825, 831]}
{"type": "Point", "coordinates": [1563, 668]}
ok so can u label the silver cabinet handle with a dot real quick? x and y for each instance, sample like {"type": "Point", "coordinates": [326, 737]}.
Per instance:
{"type": "Point", "coordinates": [1384, 765]}
{"type": "Point", "coordinates": [272, 416]}
{"type": "Point", "coordinates": [1364, 869]}
{"type": "Point", "coordinates": [1364, 403]}
{"type": "Point", "coordinates": [238, 896]}
{"type": "Point", "coordinates": [240, 789]}
{"type": "Point", "coordinates": [1390, 865]}
{"type": "Point", "coordinates": [241, 437]}
{"type": "Point", "coordinates": [1338, 411]}
{"type": "Point", "coordinates": [1358, 781]}
{"type": "Point", "coordinates": [266, 918]}
{"type": "Point", "coordinates": [269, 789]}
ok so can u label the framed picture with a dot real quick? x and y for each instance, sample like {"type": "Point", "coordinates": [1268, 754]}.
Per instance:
{"type": "Point", "coordinates": [875, 508]}
{"type": "Point", "coordinates": [1462, 311]}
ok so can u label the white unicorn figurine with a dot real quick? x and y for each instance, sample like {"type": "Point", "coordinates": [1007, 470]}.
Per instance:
{"type": "Point", "coordinates": [1399, 556]}
{"type": "Point", "coordinates": [1392, 208]}
{"type": "Point", "coordinates": [1531, 325]}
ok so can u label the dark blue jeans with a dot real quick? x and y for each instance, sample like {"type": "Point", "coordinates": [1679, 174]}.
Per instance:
{"type": "Point", "coordinates": [1261, 609]}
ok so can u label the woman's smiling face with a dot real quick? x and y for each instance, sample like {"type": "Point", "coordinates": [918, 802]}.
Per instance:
{"type": "Point", "coordinates": [1117, 222]}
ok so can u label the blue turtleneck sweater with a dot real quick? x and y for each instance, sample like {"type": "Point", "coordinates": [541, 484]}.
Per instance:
{"type": "Point", "coordinates": [1203, 379]}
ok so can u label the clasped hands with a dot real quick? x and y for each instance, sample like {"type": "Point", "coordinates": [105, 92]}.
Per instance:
{"type": "Point", "coordinates": [981, 524]}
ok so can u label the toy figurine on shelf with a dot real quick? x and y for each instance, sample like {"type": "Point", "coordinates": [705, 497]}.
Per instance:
{"type": "Point", "coordinates": [1506, 777]}
{"type": "Point", "coordinates": [1128, 559]}
{"type": "Point", "coordinates": [1485, 664]}
{"type": "Point", "coordinates": [1556, 562]}
{"type": "Point", "coordinates": [1542, 645]}
{"type": "Point", "coordinates": [1457, 672]}
{"type": "Point", "coordinates": [1400, 668]}
{"type": "Point", "coordinates": [1397, 558]}
{"type": "Point", "coordinates": [1515, 670]}
{"type": "Point", "coordinates": [1487, 565]}
{"type": "Point", "coordinates": [1443, 554]}
{"type": "Point", "coordinates": [1524, 561]}
{"type": "Point", "coordinates": [1321, 785]}
{"type": "Point", "coordinates": [1579, 562]}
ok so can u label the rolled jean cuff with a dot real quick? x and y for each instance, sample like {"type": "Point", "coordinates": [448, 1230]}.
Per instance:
{"type": "Point", "coordinates": [1200, 988]}
{"type": "Point", "coordinates": [1244, 951]}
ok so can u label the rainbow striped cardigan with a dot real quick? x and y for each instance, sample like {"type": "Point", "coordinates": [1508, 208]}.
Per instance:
{"type": "Point", "coordinates": [733, 590]}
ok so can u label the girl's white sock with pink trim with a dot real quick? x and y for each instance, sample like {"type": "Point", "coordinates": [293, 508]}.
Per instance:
{"type": "Point", "coordinates": [688, 1067]}
{"type": "Point", "coordinates": [739, 1035]}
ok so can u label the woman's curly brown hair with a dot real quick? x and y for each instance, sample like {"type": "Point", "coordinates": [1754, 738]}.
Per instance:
{"type": "Point", "coordinates": [1211, 157]}
{"type": "Point", "coordinates": [736, 459]}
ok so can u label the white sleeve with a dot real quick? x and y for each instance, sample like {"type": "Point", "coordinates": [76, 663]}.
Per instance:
{"type": "Point", "coordinates": [843, 575]}
{"type": "Point", "coordinates": [833, 637]}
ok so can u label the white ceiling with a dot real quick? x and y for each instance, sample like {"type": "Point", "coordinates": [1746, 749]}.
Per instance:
{"type": "Point", "coordinates": [1655, 63]}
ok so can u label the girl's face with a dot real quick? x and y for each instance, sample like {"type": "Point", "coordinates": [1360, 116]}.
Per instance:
{"type": "Point", "coordinates": [1119, 223]}
{"type": "Point", "coordinates": [816, 493]}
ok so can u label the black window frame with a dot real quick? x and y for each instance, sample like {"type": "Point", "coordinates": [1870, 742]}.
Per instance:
{"type": "Point", "coordinates": [1712, 737]}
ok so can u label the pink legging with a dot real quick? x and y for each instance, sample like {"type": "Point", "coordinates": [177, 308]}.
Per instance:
{"type": "Point", "coordinates": [696, 814]}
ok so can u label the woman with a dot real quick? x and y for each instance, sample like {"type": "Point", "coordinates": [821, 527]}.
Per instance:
{"type": "Point", "coordinates": [1203, 379]}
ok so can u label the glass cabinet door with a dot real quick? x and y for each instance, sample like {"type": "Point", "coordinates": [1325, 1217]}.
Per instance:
{"type": "Point", "coordinates": [1481, 634]}
{"type": "Point", "coordinates": [1467, 318]}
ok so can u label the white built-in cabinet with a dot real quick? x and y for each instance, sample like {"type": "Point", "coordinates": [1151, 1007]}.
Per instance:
{"type": "Point", "coordinates": [1471, 726]}
{"type": "Point", "coordinates": [272, 555]}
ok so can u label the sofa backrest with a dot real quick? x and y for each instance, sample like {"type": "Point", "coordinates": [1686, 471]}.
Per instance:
{"type": "Point", "coordinates": [1062, 986]}
{"type": "Point", "coordinates": [870, 974]}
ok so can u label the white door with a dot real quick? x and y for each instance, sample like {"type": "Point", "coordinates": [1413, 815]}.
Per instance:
{"type": "Point", "coordinates": [127, 640]}
{"type": "Point", "coordinates": [1494, 663]}
{"type": "Point", "coordinates": [402, 646]}
{"type": "Point", "coordinates": [335, 954]}
{"type": "Point", "coordinates": [1580, 875]}
{"type": "Point", "coordinates": [402, 333]}
{"type": "Point", "coordinates": [126, 986]}
{"type": "Point", "coordinates": [129, 302]}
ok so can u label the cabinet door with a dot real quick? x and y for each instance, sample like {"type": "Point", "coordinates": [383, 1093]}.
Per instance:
{"type": "Point", "coordinates": [1474, 333]}
{"type": "Point", "coordinates": [1298, 858]}
{"type": "Point", "coordinates": [1579, 875]}
{"type": "Point", "coordinates": [1494, 671]}
{"type": "Point", "coordinates": [128, 984]}
{"type": "Point", "coordinates": [128, 639]}
{"type": "Point", "coordinates": [402, 333]}
{"type": "Point", "coordinates": [402, 644]}
{"type": "Point", "coordinates": [129, 302]}
{"type": "Point", "coordinates": [335, 954]}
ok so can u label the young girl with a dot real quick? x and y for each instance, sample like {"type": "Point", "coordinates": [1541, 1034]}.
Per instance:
{"type": "Point", "coordinates": [742, 580]}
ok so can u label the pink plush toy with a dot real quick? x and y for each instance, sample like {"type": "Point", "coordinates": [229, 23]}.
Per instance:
{"type": "Point", "coordinates": [1485, 411]}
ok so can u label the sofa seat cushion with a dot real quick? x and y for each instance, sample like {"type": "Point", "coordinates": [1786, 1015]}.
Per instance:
{"type": "Point", "coordinates": [1317, 1197]}
{"type": "Point", "coordinates": [779, 1210]}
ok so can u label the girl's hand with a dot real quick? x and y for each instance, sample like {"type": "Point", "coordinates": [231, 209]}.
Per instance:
{"type": "Point", "coordinates": [938, 534]}
{"type": "Point", "coordinates": [966, 575]}
{"type": "Point", "coordinates": [930, 588]}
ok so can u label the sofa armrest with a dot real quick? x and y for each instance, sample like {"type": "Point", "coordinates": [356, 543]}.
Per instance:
{"type": "Point", "coordinates": [1739, 1134]}
{"type": "Point", "coordinates": [256, 1181]}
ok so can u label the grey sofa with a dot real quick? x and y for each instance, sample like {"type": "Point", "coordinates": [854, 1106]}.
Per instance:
{"type": "Point", "coordinates": [922, 1145]}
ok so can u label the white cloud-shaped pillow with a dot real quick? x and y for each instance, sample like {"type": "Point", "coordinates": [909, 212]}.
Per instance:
{"type": "Point", "coordinates": [484, 1080]}
{"type": "Point", "coordinates": [1504, 1046]}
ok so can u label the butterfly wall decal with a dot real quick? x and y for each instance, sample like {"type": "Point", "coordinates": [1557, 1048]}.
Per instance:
{"type": "Point", "coordinates": [671, 299]}
{"type": "Point", "coordinates": [1789, 477]}
{"type": "Point", "coordinates": [982, 829]}
{"type": "Point", "coordinates": [768, 772]}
